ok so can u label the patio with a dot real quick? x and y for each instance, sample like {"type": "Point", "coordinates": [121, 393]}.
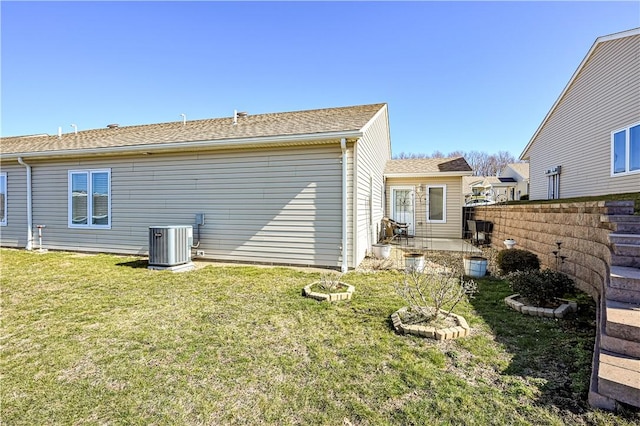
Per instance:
{"type": "Point", "coordinates": [437, 251]}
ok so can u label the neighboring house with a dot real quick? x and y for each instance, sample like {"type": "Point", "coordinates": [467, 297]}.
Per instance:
{"type": "Point", "coordinates": [472, 187]}
{"type": "Point", "coordinates": [519, 172]}
{"type": "Point", "coordinates": [427, 195]}
{"type": "Point", "coordinates": [498, 188]}
{"type": "Point", "coordinates": [589, 142]}
{"type": "Point", "coordinates": [300, 187]}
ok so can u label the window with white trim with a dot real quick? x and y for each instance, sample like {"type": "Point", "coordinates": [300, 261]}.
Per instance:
{"type": "Point", "coordinates": [3, 199]}
{"type": "Point", "coordinates": [90, 199]}
{"type": "Point", "coordinates": [437, 203]}
{"type": "Point", "coordinates": [625, 150]}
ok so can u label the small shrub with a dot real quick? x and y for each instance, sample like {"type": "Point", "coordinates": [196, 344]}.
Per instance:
{"type": "Point", "coordinates": [512, 260]}
{"type": "Point", "coordinates": [381, 264]}
{"type": "Point", "coordinates": [540, 288]}
{"type": "Point", "coordinates": [524, 197]}
{"type": "Point", "coordinates": [428, 294]}
{"type": "Point", "coordinates": [330, 281]}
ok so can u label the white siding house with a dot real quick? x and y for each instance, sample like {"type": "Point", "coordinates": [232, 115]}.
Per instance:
{"type": "Point", "coordinates": [589, 142]}
{"type": "Point", "coordinates": [519, 172]}
{"type": "Point", "coordinates": [286, 188]}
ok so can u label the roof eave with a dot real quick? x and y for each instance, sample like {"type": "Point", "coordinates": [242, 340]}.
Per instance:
{"type": "Point", "coordinates": [301, 139]}
{"type": "Point", "coordinates": [430, 174]}
{"type": "Point", "coordinates": [636, 31]}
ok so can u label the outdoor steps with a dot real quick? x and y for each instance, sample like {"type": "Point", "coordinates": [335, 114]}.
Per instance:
{"type": "Point", "coordinates": [627, 239]}
{"type": "Point", "coordinates": [619, 346]}
{"type": "Point", "coordinates": [622, 260]}
{"type": "Point", "coordinates": [617, 357]}
{"type": "Point", "coordinates": [623, 224]}
{"type": "Point", "coordinates": [624, 284]}
{"type": "Point", "coordinates": [623, 320]}
{"type": "Point", "coordinates": [619, 377]}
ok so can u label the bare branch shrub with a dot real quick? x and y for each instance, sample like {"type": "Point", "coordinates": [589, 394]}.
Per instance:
{"type": "Point", "coordinates": [429, 293]}
{"type": "Point", "coordinates": [381, 264]}
{"type": "Point", "coordinates": [330, 281]}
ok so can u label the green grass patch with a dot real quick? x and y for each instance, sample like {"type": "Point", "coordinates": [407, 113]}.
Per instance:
{"type": "Point", "coordinates": [102, 340]}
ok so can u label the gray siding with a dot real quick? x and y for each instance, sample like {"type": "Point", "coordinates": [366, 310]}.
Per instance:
{"type": "Point", "coordinates": [15, 233]}
{"type": "Point", "coordinates": [373, 151]}
{"type": "Point", "coordinates": [277, 206]}
{"type": "Point", "coordinates": [604, 97]}
{"type": "Point", "coordinates": [453, 227]}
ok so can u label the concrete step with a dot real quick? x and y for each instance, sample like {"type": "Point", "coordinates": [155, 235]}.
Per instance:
{"type": "Point", "coordinates": [619, 346]}
{"type": "Point", "coordinates": [630, 239]}
{"type": "Point", "coordinates": [622, 320]}
{"type": "Point", "coordinates": [625, 278]}
{"type": "Point", "coordinates": [623, 224]}
{"type": "Point", "coordinates": [619, 207]}
{"type": "Point", "coordinates": [622, 260]}
{"type": "Point", "coordinates": [632, 250]}
{"type": "Point", "coordinates": [623, 295]}
{"type": "Point", "coordinates": [619, 377]}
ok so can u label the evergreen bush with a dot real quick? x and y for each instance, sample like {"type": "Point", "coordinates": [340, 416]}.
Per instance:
{"type": "Point", "coordinates": [540, 288]}
{"type": "Point", "coordinates": [512, 260]}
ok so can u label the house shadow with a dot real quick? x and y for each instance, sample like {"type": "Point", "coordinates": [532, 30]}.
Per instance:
{"type": "Point", "coordinates": [136, 264]}
{"type": "Point", "coordinates": [555, 354]}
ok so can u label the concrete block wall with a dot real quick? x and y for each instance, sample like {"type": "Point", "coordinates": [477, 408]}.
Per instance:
{"type": "Point", "coordinates": [537, 227]}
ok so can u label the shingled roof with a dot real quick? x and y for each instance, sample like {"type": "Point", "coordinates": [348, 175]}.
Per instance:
{"type": "Point", "coordinates": [427, 167]}
{"type": "Point", "coordinates": [329, 122]}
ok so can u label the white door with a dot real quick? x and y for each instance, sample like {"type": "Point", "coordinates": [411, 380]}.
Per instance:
{"type": "Point", "coordinates": [402, 207]}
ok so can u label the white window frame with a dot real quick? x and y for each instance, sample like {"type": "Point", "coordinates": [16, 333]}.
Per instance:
{"type": "Point", "coordinates": [88, 173]}
{"type": "Point", "coordinates": [627, 151]}
{"type": "Point", "coordinates": [444, 204]}
{"type": "Point", "coordinates": [3, 190]}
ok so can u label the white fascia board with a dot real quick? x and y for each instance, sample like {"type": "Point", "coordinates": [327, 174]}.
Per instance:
{"type": "Point", "coordinates": [194, 145]}
{"type": "Point", "coordinates": [427, 175]}
{"type": "Point", "coordinates": [629, 33]}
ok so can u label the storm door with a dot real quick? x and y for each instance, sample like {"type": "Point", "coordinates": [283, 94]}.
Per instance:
{"type": "Point", "coordinates": [402, 206]}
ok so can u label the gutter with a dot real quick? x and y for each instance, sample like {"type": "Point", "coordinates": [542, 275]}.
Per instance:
{"type": "Point", "coordinates": [29, 245]}
{"type": "Point", "coordinates": [312, 138]}
{"type": "Point", "coordinates": [345, 256]}
{"type": "Point", "coordinates": [428, 175]}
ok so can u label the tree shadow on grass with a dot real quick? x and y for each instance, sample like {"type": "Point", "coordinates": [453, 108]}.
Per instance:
{"type": "Point", "coordinates": [556, 353]}
{"type": "Point", "coordinates": [136, 264]}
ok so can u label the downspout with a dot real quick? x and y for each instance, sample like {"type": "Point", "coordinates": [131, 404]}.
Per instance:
{"type": "Point", "coordinates": [29, 245]}
{"type": "Point", "coordinates": [345, 256]}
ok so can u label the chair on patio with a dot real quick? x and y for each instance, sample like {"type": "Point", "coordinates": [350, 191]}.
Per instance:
{"type": "Point", "coordinates": [480, 231]}
{"type": "Point", "coordinates": [393, 229]}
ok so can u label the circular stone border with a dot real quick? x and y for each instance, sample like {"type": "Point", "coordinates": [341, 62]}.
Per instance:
{"type": "Point", "coordinates": [461, 330]}
{"type": "Point", "coordinates": [329, 297]}
{"type": "Point", "coordinates": [559, 312]}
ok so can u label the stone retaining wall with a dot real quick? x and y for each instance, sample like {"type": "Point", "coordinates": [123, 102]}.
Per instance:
{"type": "Point", "coordinates": [537, 227]}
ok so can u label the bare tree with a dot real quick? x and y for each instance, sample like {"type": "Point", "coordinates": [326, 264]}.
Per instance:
{"type": "Point", "coordinates": [481, 163]}
{"type": "Point", "coordinates": [502, 158]}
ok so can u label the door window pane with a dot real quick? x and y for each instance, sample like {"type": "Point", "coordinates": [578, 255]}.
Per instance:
{"type": "Point", "coordinates": [403, 207]}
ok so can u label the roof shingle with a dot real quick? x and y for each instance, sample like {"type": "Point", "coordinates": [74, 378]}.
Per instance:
{"type": "Point", "coordinates": [319, 121]}
{"type": "Point", "coordinates": [426, 166]}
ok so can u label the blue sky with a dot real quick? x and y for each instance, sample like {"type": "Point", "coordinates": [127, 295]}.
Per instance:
{"type": "Point", "coordinates": [456, 75]}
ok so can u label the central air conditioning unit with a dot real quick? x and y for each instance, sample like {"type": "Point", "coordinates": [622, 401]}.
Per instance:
{"type": "Point", "coordinates": [170, 246]}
